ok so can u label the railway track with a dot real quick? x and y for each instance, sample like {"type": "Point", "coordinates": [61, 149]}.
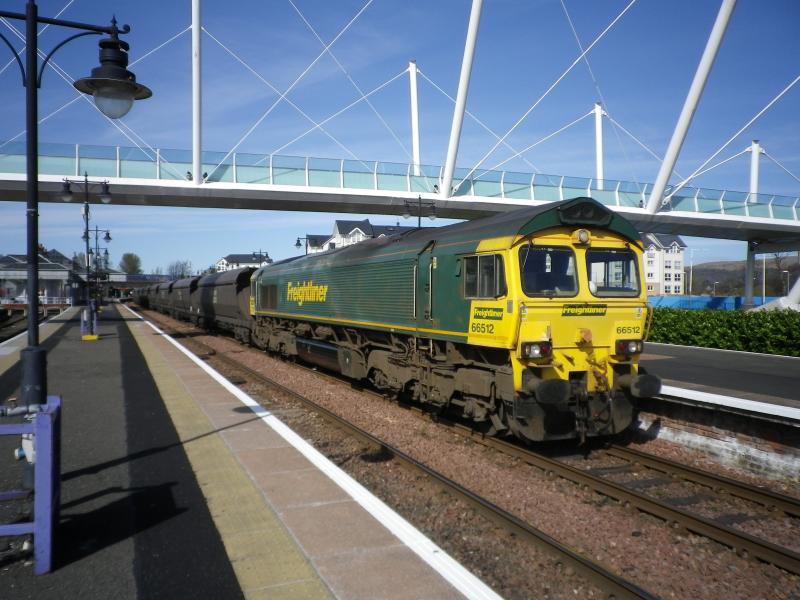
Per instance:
{"type": "Point", "coordinates": [612, 584]}
{"type": "Point", "coordinates": [13, 326]}
{"type": "Point", "coordinates": [742, 543]}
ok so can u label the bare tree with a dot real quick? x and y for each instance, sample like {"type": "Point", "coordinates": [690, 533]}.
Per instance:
{"type": "Point", "coordinates": [179, 268]}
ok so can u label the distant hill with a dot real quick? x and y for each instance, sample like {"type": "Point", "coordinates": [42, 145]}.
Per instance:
{"type": "Point", "coordinates": [729, 276]}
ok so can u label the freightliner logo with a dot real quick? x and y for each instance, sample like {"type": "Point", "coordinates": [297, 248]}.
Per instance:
{"type": "Point", "coordinates": [584, 310]}
{"type": "Point", "coordinates": [306, 292]}
{"type": "Point", "coordinates": [485, 312]}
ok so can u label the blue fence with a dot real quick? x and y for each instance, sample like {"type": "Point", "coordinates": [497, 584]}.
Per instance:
{"type": "Point", "coordinates": [704, 302]}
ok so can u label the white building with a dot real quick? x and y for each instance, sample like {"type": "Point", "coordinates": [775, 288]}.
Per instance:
{"type": "Point", "coordinates": [346, 233]}
{"type": "Point", "coordinates": [238, 261]}
{"type": "Point", "coordinates": [664, 264]}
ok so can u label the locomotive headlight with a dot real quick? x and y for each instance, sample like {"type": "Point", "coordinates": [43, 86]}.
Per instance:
{"type": "Point", "coordinates": [537, 349]}
{"type": "Point", "coordinates": [629, 347]}
{"type": "Point", "coordinates": [581, 237]}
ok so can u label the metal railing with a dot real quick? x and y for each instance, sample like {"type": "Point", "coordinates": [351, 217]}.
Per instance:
{"type": "Point", "coordinates": [72, 160]}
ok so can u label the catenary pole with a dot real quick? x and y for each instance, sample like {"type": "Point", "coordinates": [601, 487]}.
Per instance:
{"type": "Point", "coordinates": [690, 105]}
{"type": "Point", "coordinates": [197, 128]}
{"type": "Point", "coordinates": [461, 98]}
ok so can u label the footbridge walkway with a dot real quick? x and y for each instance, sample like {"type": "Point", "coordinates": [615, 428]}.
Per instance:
{"type": "Point", "coordinates": [278, 182]}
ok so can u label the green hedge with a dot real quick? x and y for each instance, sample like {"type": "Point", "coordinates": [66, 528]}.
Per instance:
{"type": "Point", "coordinates": [770, 332]}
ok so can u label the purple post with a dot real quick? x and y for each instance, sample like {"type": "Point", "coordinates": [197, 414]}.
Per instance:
{"type": "Point", "coordinates": [46, 428]}
{"type": "Point", "coordinates": [47, 477]}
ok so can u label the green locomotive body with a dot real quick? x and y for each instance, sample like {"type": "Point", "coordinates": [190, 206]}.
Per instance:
{"type": "Point", "coordinates": [469, 316]}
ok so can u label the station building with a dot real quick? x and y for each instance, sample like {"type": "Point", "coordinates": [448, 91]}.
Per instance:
{"type": "Point", "coordinates": [664, 264]}
{"type": "Point", "coordinates": [346, 233]}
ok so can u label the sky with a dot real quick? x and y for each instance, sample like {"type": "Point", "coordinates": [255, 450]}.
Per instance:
{"type": "Point", "coordinates": [641, 70]}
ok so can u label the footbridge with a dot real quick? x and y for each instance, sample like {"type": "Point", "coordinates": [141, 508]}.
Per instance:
{"type": "Point", "coordinates": [297, 183]}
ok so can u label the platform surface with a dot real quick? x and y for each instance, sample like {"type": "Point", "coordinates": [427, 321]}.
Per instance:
{"type": "Point", "coordinates": [759, 377]}
{"type": "Point", "coordinates": [173, 488]}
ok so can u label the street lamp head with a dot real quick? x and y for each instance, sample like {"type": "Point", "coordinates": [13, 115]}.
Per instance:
{"type": "Point", "coordinates": [66, 192]}
{"type": "Point", "coordinates": [105, 193]}
{"type": "Point", "coordinates": [85, 237]}
{"type": "Point", "coordinates": [107, 237]}
{"type": "Point", "coordinates": [297, 244]}
{"type": "Point", "coordinates": [113, 87]}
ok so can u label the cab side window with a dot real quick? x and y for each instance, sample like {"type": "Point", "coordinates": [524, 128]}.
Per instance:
{"type": "Point", "coordinates": [269, 297]}
{"type": "Point", "coordinates": [484, 276]}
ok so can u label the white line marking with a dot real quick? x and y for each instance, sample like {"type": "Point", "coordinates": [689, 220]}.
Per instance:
{"type": "Point", "coordinates": [650, 344]}
{"type": "Point", "coordinates": [740, 403]}
{"type": "Point", "coordinates": [461, 579]}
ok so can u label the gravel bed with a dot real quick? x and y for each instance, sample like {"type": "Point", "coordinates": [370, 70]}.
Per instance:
{"type": "Point", "coordinates": [640, 548]}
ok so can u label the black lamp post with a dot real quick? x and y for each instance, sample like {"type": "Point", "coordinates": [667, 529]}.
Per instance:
{"type": "Point", "coordinates": [97, 260]}
{"type": "Point", "coordinates": [262, 257]}
{"type": "Point", "coordinates": [114, 89]}
{"type": "Point", "coordinates": [105, 198]}
{"type": "Point", "coordinates": [298, 245]}
{"type": "Point", "coordinates": [410, 206]}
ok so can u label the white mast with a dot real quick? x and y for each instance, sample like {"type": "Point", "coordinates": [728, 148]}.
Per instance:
{"type": "Point", "coordinates": [690, 105]}
{"type": "Point", "coordinates": [197, 144]}
{"type": "Point", "coordinates": [461, 98]}
{"type": "Point", "coordinates": [412, 79]}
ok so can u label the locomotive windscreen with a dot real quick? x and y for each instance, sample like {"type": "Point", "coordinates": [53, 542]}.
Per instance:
{"type": "Point", "coordinates": [612, 272]}
{"type": "Point", "coordinates": [547, 271]}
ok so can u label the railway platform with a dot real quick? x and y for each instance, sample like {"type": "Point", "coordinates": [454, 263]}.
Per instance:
{"type": "Point", "coordinates": [176, 484]}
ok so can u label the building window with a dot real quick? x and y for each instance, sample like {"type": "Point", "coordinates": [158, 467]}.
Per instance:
{"type": "Point", "coordinates": [677, 264]}
{"type": "Point", "coordinates": [649, 287]}
{"type": "Point", "coordinates": [667, 289]}
{"type": "Point", "coordinates": [650, 275]}
{"type": "Point", "coordinates": [677, 289]}
{"type": "Point", "coordinates": [677, 276]}
{"type": "Point", "coordinates": [650, 262]}
{"type": "Point", "coordinates": [667, 264]}
{"type": "Point", "coordinates": [667, 276]}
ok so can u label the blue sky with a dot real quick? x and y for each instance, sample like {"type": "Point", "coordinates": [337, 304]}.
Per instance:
{"type": "Point", "coordinates": [643, 68]}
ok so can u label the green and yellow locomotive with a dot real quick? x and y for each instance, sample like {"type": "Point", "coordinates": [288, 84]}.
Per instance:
{"type": "Point", "coordinates": [530, 321]}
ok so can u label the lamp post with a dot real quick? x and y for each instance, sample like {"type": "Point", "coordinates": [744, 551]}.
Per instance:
{"type": "Point", "coordinates": [262, 257]}
{"type": "Point", "coordinates": [298, 245]}
{"type": "Point", "coordinates": [114, 89]}
{"type": "Point", "coordinates": [786, 293]}
{"type": "Point", "coordinates": [410, 205]}
{"type": "Point", "coordinates": [105, 198]}
{"type": "Point", "coordinates": [714, 290]}
{"type": "Point", "coordinates": [106, 238]}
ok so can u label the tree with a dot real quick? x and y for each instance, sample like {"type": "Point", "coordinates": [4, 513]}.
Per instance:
{"type": "Point", "coordinates": [130, 264]}
{"type": "Point", "coordinates": [179, 268]}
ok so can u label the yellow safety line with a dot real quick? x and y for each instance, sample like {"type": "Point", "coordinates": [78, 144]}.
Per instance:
{"type": "Point", "coordinates": [265, 558]}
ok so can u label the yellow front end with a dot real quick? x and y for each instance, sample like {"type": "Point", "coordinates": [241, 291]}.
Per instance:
{"type": "Point", "coordinates": [582, 318]}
